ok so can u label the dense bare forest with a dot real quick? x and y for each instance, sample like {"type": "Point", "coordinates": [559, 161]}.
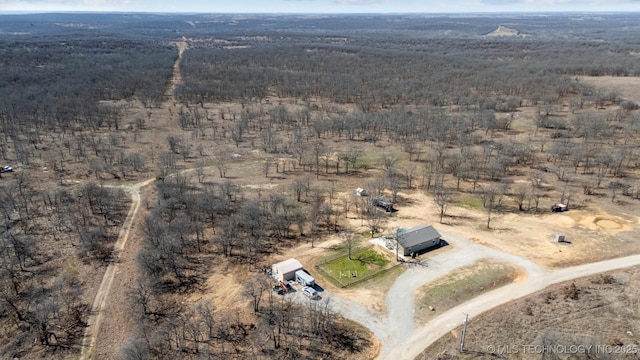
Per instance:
{"type": "Point", "coordinates": [404, 102]}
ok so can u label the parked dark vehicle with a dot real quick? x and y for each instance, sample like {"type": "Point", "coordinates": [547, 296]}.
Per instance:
{"type": "Point", "coordinates": [559, 208]}
{"type": "Point", "coordinates": [385, 204]}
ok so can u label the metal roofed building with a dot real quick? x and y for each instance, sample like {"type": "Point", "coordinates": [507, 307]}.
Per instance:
{"type": "Point", "coordinates": [418, 239]}
{"type": "Point", "coordinates": [286, 270]}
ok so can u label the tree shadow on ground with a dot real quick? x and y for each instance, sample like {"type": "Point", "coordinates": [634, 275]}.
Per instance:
{"type": "Point", "coordinates": [368, 258]}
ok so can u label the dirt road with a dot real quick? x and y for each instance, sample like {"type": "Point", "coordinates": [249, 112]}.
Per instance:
{"type": "Point", "coordinates": [96, 315]}
{"type": "Point", "coordinates": [177, 75]}
{"type": "Point", "coordinates": [100, 301]}
{"type": "Point", "coordinates": [400, 320]}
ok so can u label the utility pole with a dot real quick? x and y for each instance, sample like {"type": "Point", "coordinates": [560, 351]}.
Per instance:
{"type": "Point", "coordinates": [464, 331]}
{"type": "Point", "coordinates": [397, 235]}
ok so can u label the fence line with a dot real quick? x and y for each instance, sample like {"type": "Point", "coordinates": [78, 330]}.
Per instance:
{"type": "Point", "coordinates": [340, 283]}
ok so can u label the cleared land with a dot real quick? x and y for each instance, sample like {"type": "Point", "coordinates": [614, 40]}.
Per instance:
{"type": "Point", "coordinates": [310, 151]}
{"type": "Point", "coordinates": [556, 317]}
{"type": "Point", "coordinates": [461, 285]}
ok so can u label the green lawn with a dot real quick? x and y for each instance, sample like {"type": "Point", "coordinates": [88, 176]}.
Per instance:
{"type": "Point", "coordinates": [363, 264]}
{"type": "Point", "coordinates": [469, 201]}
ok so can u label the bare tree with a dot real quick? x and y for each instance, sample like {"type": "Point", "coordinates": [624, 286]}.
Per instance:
{"type": "Point", "coordinates": [374, 219]}
{"type": "Point", "coordinates": [266, 166]}
{"type": "Point", "coordinates": [388, 161]}
{"type": "Point", "coordinates": [351, 157]}
{"type": "Point", "coordinates": [409, 169]}
{"type": "Point", "coordinates": [348, 236]}
{"type": "Point", "coordinates": [492, 199]}
{"type": "Point", "coordinates": [200, 172]}
{"type": "Point", "coordinates": [520, 194]}
{"type": "Point", "coordinates": [300, 186]}
{"type": "Point", "coordinates": [221, 165]}
{"type": "Point", "coordinates": [255, 289]}
{"type": "Point", "coordinates": [442, 197]}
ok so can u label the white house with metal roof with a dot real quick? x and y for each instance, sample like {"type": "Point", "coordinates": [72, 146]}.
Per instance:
{"type": "Point", "coordinates": [286, 270]}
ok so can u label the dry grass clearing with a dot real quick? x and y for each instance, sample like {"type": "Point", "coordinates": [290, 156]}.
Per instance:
{"type": "Point", "coordinates": [626, 86]}
{"type": "Point", "coordinates": [461, 285]}
{"type": "Point", "coordinates": [556, 316]}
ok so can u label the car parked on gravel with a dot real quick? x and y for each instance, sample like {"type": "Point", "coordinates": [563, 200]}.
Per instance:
{"type": "Point", "coordinates": [310, 292]}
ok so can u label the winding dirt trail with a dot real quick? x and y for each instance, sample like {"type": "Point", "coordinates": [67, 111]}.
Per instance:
{"type": "Point", "coordinates": [119, 323]}
{"type": "Point", "coordinates": [97, 313]}
{"type": "Point", "coordinates": [177, 75]}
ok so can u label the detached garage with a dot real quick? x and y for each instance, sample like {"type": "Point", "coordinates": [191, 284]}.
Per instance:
{"type": "Point", "coordinates": [418, 239]}
{"type": "Point", "coordinates": [286, 270]}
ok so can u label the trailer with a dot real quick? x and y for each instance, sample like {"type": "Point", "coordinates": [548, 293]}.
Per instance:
{"type": "Point", "coordinates": [304, 278]}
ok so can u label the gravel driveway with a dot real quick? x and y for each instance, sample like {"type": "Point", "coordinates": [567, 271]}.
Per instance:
{"type": "Point", "coordinates": [396, 330]}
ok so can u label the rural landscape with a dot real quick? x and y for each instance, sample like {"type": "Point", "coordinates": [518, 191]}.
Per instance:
{"type": "Point", "coordinates": [164, 176]}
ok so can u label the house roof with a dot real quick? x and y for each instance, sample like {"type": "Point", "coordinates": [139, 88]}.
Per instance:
{"type": "Point", "coordinates": [418, 235]}
{"type": "Point", "coordinates": [289, 265]}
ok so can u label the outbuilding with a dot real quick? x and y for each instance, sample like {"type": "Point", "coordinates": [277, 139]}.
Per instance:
{"type": "Point", "coordinates": [361, 192]}
{"type": "Point", "coordinates": [286, 270]}
{"type": "Point", "coordinates": [418, 239]}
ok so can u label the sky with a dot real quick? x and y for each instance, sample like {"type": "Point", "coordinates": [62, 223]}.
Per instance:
{"type": "Point", "coordinates": [321, 6]}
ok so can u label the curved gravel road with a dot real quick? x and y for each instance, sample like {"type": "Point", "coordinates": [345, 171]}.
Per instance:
{"type": "Point", "coordinates": [415, 343]}
{"type": "Point", "coordinates": [397, 331]}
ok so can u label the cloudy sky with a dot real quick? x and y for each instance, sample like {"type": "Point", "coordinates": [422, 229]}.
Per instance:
{"type": "Point", "coordinates": [321, 6]}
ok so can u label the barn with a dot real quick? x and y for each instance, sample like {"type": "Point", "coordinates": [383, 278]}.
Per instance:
{"type": "Point", "coordinates": [286, 270]}
{"type": "Point", "coordinates": [418, 239]}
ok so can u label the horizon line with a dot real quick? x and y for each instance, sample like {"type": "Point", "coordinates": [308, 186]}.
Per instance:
{"type": "Point", "coordinates": [122, 12]}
